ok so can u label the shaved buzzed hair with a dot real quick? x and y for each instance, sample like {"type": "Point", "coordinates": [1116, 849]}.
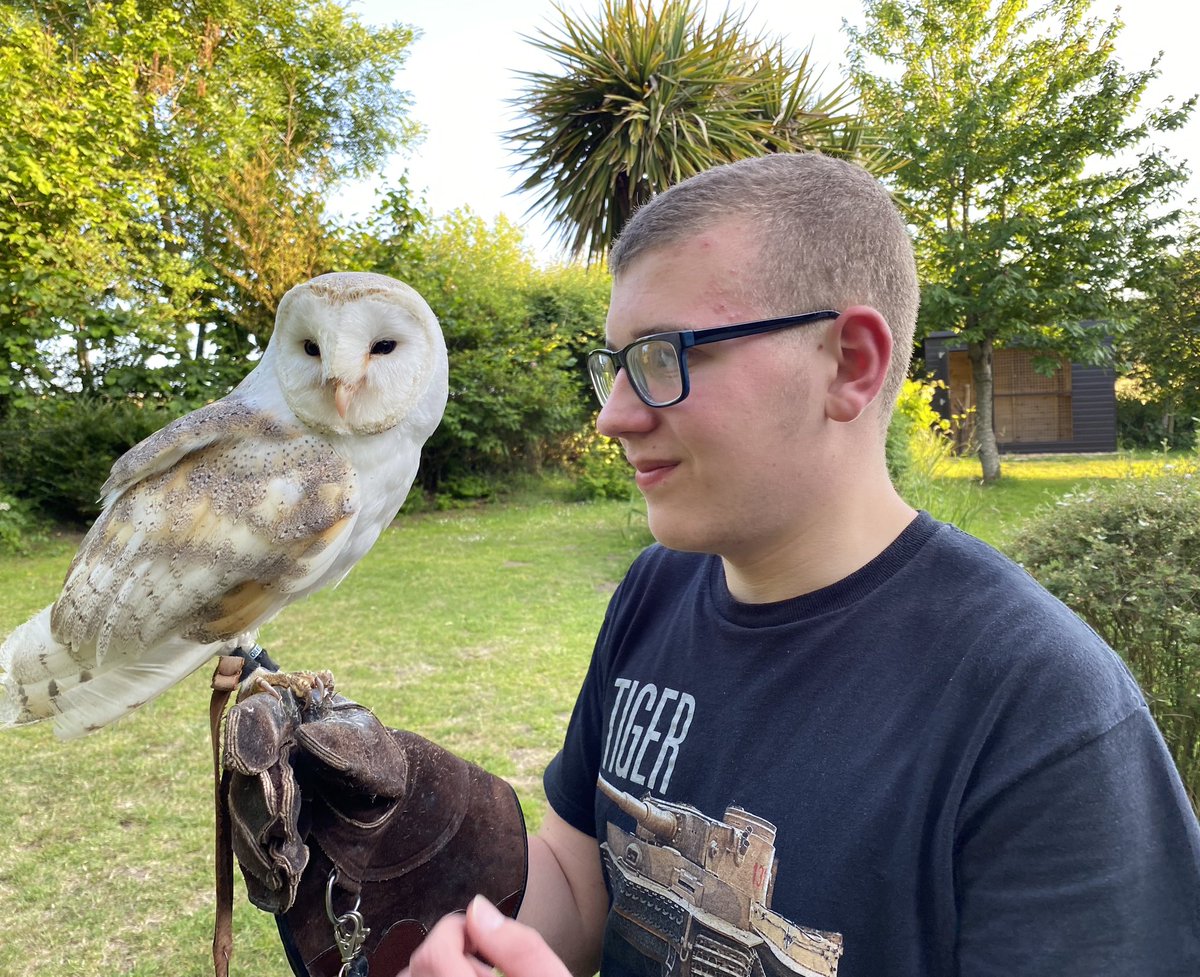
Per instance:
{"type": "Point", "coordinates": [830, 236]}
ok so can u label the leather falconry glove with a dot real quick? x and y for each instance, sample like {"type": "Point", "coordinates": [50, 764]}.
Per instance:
{"type": "Point", "coordinates": [359, 838]}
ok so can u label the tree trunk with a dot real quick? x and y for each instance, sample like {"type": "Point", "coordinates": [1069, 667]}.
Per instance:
{"type": "Point", "coordinates": [980, 354]}
{"type": "Point", "coordinates": [83, 365]}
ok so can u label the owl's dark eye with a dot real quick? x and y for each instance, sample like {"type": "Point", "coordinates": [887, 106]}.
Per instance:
{"type": "Point", "coordinates": [383, 347]}
{"type": "Point", "coordinates": [311, 348]}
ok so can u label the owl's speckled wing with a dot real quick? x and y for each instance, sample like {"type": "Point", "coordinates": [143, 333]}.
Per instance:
{"type": "Point", "coordinates": [211, 526]}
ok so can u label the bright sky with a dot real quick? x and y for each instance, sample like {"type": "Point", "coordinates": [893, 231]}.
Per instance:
{"type": "Point", "coordinates": [463, 67]}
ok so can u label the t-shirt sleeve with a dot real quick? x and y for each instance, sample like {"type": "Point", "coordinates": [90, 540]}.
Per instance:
{"type": "Point", "coordinates": [570, 778]}
{"type": "Point", "coordinates": [1085, 865]}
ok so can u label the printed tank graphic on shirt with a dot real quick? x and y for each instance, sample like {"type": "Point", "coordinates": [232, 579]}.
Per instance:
{"type": "Point", "coordinates": [694, 894]}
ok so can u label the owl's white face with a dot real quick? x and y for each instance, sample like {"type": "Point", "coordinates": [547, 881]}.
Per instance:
{"type": "Point", "coordinates": [359, 353]}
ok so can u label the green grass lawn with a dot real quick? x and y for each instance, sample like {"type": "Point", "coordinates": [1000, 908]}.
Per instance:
{"type": "Point", "coordinates": [1028, 482]}
{"type": "Point", "coordinates": [472, 628]}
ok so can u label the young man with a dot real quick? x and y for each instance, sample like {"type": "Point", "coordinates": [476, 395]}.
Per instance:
{"type": "Point", "coordinates": [866, 742]}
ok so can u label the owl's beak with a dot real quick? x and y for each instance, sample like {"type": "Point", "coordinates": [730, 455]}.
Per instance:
{"type": "Point", "coordinates": [341, 398]}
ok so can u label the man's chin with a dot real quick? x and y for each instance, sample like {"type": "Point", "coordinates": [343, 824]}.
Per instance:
{"type": "Point", "coordinates": [669, 533]}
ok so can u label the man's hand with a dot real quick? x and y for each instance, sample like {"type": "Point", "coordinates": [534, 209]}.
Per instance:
{"type": "Point", "coordinates": [459, 944]}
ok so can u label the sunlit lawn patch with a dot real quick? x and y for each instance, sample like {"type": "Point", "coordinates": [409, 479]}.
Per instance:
{"type": "Point", "coordinates": [1030, 481]}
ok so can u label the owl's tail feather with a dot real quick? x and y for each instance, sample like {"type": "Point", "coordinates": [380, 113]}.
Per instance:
{"type": "Point", "coordinates": [119, 688]}
{"type": "Point", "coordinates": [34, 669]}
{"type": "Point", "coordinates": [39, 679]}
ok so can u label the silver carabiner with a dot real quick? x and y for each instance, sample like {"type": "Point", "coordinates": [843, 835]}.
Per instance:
{"type": "Point", "coordinates": [349, 930]}
{"type": "Point", "coordinates": [334, 917]}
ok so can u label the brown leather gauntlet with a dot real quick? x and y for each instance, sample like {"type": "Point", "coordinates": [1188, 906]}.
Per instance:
{"type": "Point", "coordinates": [359, 838]}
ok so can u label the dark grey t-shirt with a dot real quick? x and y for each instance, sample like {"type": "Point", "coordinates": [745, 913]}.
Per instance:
{"type": "Point", "coordinates": [964, 779]}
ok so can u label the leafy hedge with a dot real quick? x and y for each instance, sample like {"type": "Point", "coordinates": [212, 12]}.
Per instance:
{"type": "Point", "coordinates": [19, 525]}
{"type": "Point", "coordinates": [598, 467]}
{"type": "Point", "coordinates": [516, 334]}
{"type": "Point", "coordinates": [919, 449]}
{"type": "Point", "coordinates": [1126, 558]}
{"type": "Point", "coordinates": [56, 456]}
{"type": "Point", "coordinates": [1151, 424]}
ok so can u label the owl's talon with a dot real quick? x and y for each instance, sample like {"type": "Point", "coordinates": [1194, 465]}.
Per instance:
{"type": "Point", "coordinates": [306, 686]}
{"type": "Point", "coordinates": [263, 684]}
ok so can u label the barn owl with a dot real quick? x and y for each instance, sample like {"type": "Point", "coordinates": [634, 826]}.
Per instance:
{"type": "Point", "coordinates": [219, 520]}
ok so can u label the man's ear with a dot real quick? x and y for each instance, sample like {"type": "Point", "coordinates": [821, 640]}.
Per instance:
{"type": "Point", "coordinates": [861, 342]}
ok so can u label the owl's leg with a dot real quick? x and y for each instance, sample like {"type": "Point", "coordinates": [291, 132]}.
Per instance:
{"type": "Point", "coordinates": [255, 656]}
{"type": "Point", "coordinates": [257, 666]}
{"type": "Point", "coordinates": [263, 675]}
{"type": "Point", "coordinates": [301, 684]}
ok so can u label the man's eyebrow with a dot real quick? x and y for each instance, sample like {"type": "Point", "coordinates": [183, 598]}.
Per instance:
{"type": "Point", "coordinates": [643, 333]}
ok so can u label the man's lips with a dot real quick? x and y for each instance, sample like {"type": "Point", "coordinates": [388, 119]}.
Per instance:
{"type": "Point", "coordinates": [650, 472]}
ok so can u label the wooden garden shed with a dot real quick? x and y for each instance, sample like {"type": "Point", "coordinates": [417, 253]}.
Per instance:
{"type": "Point", "coordinates": [1073, 410]}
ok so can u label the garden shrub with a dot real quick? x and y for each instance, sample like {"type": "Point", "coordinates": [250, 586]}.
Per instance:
{"type": "Point", "coordinates": [919, 450]}
{"type": "Point", "coordinates": [598, 468]}
{"type": "Point", "coordinates": [913, 417]}
{"type": "Point", "coordinates": [510, 407]}
{"type": "Point", "coordinates": [19, 526]}
{"type": "Point", "coordinates": [1143, 423]}
{"type": "Point", "coordinates": [514, 334]}
{"type": "Point", "coordinates": [1126, 558]}
{"type": "Point", "coordinates": [56, 455]}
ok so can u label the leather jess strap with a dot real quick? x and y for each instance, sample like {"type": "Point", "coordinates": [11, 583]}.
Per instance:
{"type": "Point", "coordinates": [225, 681]}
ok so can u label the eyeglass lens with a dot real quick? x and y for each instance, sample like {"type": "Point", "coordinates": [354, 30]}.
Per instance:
{"type": "Point", "coordinates": [602, 367]}
{"type": "Point", "coordinates": [653, 368]}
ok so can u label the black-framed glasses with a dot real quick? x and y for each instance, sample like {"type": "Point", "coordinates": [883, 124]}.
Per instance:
{"type": "Point", "coordinates": [657, 365]}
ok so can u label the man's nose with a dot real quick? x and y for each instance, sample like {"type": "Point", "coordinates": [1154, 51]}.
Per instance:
{"type": "Point", "coordinates": [624, 411]}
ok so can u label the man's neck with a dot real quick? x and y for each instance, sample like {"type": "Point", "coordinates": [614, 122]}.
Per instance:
{"type": "Point", "coordinates": [823, 552]}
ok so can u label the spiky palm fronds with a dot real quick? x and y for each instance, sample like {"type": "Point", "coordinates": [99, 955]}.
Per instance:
{"type": "Point", "coordinates": [646, 96]}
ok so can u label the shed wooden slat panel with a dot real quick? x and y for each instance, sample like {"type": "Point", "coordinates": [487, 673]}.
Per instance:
{"type": "Point", "coordinates": [1095, 408]}
{"type": "Point", "coordinates": [1073, 410]}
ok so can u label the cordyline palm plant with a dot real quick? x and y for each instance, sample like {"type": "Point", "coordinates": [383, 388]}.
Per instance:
{"type": "Point", "coordinates": [645, 97]}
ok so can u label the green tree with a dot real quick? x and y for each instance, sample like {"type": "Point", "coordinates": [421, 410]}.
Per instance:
{"type": "Point", "coordinates": [264, 110]}
{"type": "Point", "coordinates": [84, 265]}
{"type": "Point", "coordinates": [1032, 186]}
{"type": "Point", "coordinates": [166, 173]}
{"type": "Point", "coordinates": [646, 95]}
{"type": "Point", "coordinates": [1161, 350]}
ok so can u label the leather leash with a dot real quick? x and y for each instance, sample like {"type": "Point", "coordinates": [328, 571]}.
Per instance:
{"type": "Point", "coordinates": [225, 681]}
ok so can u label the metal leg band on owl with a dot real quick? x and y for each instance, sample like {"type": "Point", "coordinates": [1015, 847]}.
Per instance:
{"type": "Point", "coordinates": [256, 657]}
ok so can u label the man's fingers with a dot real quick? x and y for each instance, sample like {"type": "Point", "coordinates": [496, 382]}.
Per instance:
{"type": "Point", "coordinates": [446, 953]}
{"type": "Point", "coordinates": [458, 945]}
{"type": "Point", "coordinates": [514, 949]}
